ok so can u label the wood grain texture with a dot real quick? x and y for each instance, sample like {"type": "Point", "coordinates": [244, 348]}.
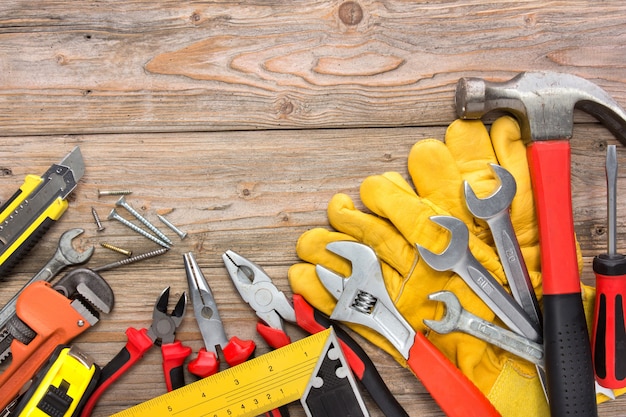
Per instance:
{"type": "Point", "coordinates": [240, 120]}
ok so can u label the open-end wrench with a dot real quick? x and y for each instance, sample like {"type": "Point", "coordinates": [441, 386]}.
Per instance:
{"type": "Point", "coordinates": [457, 257]}
{"type": "Point", "coordinates": [65, 255]}
{"type": "Point", "coordinates": [362, 298]}
{"type": "Point", "coordinates": [495, 210]}
{"type": "Point", "coordinates": [456, 318]}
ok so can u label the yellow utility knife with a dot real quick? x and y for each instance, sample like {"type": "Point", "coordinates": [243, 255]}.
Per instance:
{"type": "Point", "coordinates": [30, 212]}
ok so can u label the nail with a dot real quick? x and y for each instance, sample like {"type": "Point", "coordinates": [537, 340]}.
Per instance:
{"type": "Point", "coordinates": [97, 219]}
{"type": "Point", "coordinates": [123, 203]}
{"type": "Point", "coordinates": [176, 230]}
{"type": "Point", "coordinates": [115, 215]}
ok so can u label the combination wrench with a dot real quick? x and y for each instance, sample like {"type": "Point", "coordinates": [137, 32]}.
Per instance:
{"type": "Point", "coordinates": [457, 257]}
{"type": "Point", "coordinates": [495, 210]}
{"type": "Point", "coordinates": [64, 256]}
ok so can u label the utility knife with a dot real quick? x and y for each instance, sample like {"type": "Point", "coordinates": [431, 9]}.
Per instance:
{"type": "Point", "coordinates": [33, 209]}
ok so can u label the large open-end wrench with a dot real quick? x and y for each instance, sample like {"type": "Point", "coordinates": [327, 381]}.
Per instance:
{"type": "Point", "coordinates": [457, 257]}
{"type": "Point", "coordinates": [64, 256]}
{"type": "Point", "coordinates": [456, 318]}
{"type": "Point", "coordinates": [362, 298]}
{"type": "Point", "coordinates": [495, 210]}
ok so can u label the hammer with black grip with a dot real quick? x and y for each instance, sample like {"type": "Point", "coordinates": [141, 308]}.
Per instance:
{"type": "Point", "coordinates": [544, 103]}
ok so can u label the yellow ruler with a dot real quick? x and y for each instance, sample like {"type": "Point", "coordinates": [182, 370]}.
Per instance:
{"type": "Point", "coordinates": [252, 388]}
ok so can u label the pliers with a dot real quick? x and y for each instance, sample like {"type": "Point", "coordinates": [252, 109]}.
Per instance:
{"type": "Point", "coordinates": [235, 350]}
{"type": "Point", "coordinates": [160, 333]}
{"type": "Point", "coordinates": [272, 307]}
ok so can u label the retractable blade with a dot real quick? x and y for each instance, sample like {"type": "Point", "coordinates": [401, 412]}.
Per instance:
{"type": "Point", "coordinates": [31, 211]}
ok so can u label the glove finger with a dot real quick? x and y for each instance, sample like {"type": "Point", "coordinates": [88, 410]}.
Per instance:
{"type": "Point", "coordinates": [470, 145]}
{"type": "Point", "coordinates": [390, 246]}
{"type": "Point", "coordinates": [437, 178]}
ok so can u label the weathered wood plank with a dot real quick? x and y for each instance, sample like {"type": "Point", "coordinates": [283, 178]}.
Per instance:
{"type": "Point", "coordinates": [133, 67]}
{"type": "Point", "coordinates": [254, 192]}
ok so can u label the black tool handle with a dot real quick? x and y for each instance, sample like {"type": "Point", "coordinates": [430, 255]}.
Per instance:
{"type": "Point", "coordinates": [571, 386]}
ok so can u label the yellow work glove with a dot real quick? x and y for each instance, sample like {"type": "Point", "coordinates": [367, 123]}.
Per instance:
{"type": "Point", "coordinates": [400, 220]}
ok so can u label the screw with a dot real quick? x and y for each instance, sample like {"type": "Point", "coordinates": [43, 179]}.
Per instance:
{"type": "Point", "coordinates": [131, 260]}
{"type": "Point", "coordinates": [115, 215]}
{"type": "Point", "coordinates": [123, 203]}
{"type": "Point", "coordinates": [116, 249]}
{"type": "Point", "coordinates": [113, 192]}
{"type": "Point", "coordinates": [97, 219]}
{"type": "Point", "coordinates": [176, 230]}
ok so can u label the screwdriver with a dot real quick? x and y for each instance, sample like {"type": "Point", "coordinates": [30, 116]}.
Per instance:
{"type": "Point", "coordinates": [609, 333]}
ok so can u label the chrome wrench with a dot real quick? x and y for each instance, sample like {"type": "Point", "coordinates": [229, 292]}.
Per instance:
{"type": "Point", "coordinates": [495, 211]}
{"type": "Point", "coordinates": [456, 318]}
{"type": "Point", "coordinates": [458, 258]}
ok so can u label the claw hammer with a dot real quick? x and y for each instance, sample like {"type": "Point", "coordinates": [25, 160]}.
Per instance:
{"type": "Point", "coordinates": [544, 103]}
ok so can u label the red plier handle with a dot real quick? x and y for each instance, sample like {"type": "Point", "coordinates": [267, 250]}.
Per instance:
{"type": "Point", "coordinates": [174, 355]}
{"type": "Point", "coordinates": [235, 352]}
{"type": "Point", "coordinates": [137, 345]}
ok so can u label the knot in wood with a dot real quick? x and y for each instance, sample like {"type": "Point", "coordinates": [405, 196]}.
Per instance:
{"type": "Point", "coordinates": [350, 13]}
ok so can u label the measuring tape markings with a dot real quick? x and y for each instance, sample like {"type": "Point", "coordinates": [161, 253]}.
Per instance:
{"type": "Point", "coordinates": [261, 384]}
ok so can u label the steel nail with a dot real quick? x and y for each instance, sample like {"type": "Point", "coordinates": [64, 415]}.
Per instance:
{"type": "Point", "coordinates": [175, 229]}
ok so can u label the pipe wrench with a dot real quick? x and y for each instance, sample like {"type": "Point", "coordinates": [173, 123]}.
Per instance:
{"type": "Point", "coordinates": [362, 298]}
{"type": "Point", "coordinates": [36, 333]}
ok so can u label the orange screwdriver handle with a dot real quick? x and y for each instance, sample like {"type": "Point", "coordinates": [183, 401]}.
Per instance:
{"type": "Point", "coordinates": [50, 315]}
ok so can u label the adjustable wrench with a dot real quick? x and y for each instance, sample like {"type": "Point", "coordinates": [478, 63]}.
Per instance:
{"type": "Point", "coordinates": [45, 319]}
{"type": "Point", "coordinates": [362, 298]}
{"type": "Point", "coordinates": [65, 255]}
{"type": "Point", "coordinates": [456, 318]}
{"type": "Point", "coordinates": [495, 211]}
{"type": "Point", "coordinates": [458, 258]}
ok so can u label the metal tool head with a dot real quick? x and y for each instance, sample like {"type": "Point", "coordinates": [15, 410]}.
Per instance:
{"type": "Point", "coordinates": [74, 161]}
{"type": "Point", "coordinates": [89, 286]}
{"type": "Point", "coordinates": [257, 289]}
{"type": "Point", "coordinates": [164, 324]}
{"type": "Point", "coordinates": [362, 298]}
{"type": "Point", "coordinates": [67, 251]}
{"type": "Point", "coordinates": [454, 253]}
{"type": "Point", "coordinates": [499, 201]}
{"type": "Point", "coordinates": [204, 306]}
{"type": "Point", "coordinates": [543, 102]}
{"type": "Point", "coordinates": [448, 322]}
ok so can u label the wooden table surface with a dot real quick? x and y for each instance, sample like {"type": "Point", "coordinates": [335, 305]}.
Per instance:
{"type": "Point", "coordinates": [239, 121]}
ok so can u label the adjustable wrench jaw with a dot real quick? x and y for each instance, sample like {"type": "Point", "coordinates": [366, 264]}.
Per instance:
{"type": "Point", "coordinates": [362, 298]}
{"type": "Point", "coordinates": [257, 289]}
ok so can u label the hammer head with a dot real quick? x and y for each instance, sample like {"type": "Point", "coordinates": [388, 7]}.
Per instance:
{"type": "Point", "coordinates": [543, 103]}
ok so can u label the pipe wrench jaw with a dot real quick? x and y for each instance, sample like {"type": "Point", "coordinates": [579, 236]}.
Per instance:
{"type": "Point", "coordinates": [362, 298]}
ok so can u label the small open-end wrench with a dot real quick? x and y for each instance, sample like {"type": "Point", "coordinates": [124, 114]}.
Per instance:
{"type": "Point", "coordinates": [362, 298]}
{"type": "Point", "coordinates": [65, 255]}
{"type": "Point", "coordinates": [495, 210]}
{"type": "Point", "coordinates": [456, 318]}
{"type": "Point", "coordinates": [458, 258]}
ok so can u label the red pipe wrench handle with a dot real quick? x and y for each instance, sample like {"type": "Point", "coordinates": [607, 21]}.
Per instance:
{"type": "Point", "coordinates": [567, 346]}
{"type": "Point", "coordinates": [137, 345]}
{"type": "Point", "coordinates": [454, 392]}
{"type": "Point", "coordinates": [174, 355]}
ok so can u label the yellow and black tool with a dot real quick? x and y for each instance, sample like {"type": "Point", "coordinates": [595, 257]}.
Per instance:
{"type": "Point", "coordinates": [30, 212]}
{"type": "Point", "coordinates": [298, 371]}
{"type": "Point", "coordinates": [62, 387]}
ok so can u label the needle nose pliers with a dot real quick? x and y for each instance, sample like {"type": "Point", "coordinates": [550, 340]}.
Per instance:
{"type": "Point", "coordinates": [235, 350]}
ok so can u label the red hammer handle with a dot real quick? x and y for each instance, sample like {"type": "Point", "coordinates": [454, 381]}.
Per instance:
{"type": "Point", "coordinates": [567, 346]}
